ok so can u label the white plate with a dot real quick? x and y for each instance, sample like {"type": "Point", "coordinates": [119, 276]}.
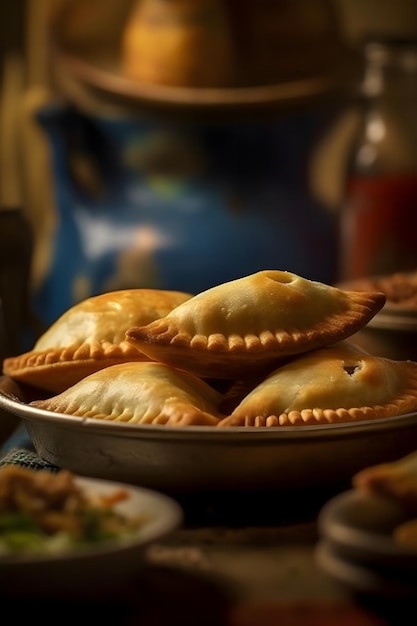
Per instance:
{"type": "Point", "coordinates": [89, 570]}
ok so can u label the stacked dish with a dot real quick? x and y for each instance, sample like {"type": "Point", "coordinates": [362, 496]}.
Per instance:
{"type": "Point", "coordinates": [368, 535]}
{"type": "Point", "coordinates": [357, 547]}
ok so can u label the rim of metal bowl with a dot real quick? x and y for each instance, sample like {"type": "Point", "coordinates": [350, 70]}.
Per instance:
{"type": "Point", "coordinates": [12, 404]}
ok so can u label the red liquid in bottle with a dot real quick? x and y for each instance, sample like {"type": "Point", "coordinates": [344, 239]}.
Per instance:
{"type": "Point", "coordinates": [380, 225]}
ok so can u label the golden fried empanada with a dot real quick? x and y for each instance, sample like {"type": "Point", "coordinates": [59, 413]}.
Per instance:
{"type": "Point", "coordinates": [89, 336]}
{"type": "Point", "coordinates": [405, 534]}
{"type": "Point", "coordinates": [395, 479]}
{"type": "Point", "coordinates": [139, 393]}
{"type": "Point", "coordinates": [338, 383]}
{"type": "Point", "coordinates": [246, 325]}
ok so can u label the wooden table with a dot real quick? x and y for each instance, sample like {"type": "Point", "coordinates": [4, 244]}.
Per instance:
{"type": "Point", "coordinates": [239, 560]}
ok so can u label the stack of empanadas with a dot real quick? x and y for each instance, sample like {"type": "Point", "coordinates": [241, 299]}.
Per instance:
{"type": "Point", "coordinates": [270, 349]}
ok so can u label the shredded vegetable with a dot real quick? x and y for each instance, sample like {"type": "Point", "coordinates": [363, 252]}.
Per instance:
{"type": "Point", "coordinates": [42, 511]}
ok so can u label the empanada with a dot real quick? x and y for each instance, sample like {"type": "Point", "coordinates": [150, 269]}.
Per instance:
{"type": "Point", "coordinates": [334, 384]}
{"type": "Point", "coordinates": [247, 325]}
{"type": "Point", "coordinates": [394, 479]}
{"type": "Point", "coordinates": [89, 336]}
{"type": "Point", "coordinates": [405, 534]}
{"type": "Point", "coordinates": [139, 393]}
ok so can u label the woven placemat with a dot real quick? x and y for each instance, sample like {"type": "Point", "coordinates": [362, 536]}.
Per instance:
{"type": "Point", "coordinates": [19, 450]}
{"type": "Point", "coordinates": [26, 458]}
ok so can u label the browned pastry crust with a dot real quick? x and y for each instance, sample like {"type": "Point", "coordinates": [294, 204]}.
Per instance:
{"type": "Point", "coordinates": [139, 393]}
{"type": "Point", "coordinates": [90, 336]}
{"type": "Point", "coordinates": [405, 534]}
{"type": "Point", "coordinates": [395, 479]}
{"type": "Point", "coordinates": [334, 384]}
{"type": "Point", "coordinates": [246, 326]}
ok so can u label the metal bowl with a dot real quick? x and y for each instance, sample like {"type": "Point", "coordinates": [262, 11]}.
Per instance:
{"type": "Point", "coordinates": [199, 459]}
{"type": "Point", "coordinates": [87, 66]}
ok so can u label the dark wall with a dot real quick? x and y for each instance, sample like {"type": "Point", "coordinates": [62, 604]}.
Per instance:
{"type": "Point", "coordinates": [12, 25]}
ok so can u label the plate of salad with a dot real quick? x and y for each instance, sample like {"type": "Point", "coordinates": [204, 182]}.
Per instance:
{"type": "Point", "coordinates": [64, 533]}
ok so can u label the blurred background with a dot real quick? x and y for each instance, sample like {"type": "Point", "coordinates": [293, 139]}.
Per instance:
{"type": "Point", "coordinates": [174, 144]}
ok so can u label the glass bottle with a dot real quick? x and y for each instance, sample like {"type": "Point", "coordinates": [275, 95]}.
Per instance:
{"type": "Point", "coordinates": [378, 228]}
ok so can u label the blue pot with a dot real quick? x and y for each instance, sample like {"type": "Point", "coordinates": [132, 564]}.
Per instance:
{"type": "Point", "coordinates": [150, 204]}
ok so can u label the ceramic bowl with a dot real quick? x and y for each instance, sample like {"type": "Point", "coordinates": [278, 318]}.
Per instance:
{"type": "Point", "coordinates": [392, 333]}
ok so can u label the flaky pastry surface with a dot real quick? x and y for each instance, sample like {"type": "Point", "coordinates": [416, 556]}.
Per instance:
{"type": "Point", "coordinates": [139, 393]}
{"type": "Point", "coordinates": [89, 336]}
{"type": "Point", "coordinates": [329, 385]}
{"type": "Point", "coordinates": [250, 323]}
